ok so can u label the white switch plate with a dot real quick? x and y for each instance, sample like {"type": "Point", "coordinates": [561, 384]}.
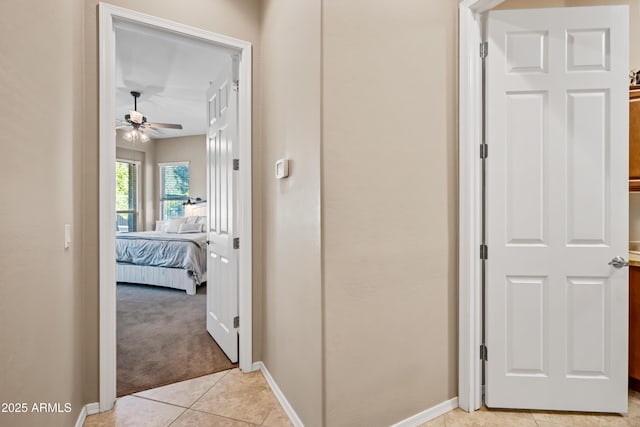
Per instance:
{"type": "Point", "coordinates": [282, 168]}
{"type": "Point", "coordinates": [67, 236]}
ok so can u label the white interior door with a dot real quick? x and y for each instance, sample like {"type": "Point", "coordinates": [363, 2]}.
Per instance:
{"type": "Point", "coordinates": [557, 208]}
{"type": "Point", "coordinates": [222, 260]}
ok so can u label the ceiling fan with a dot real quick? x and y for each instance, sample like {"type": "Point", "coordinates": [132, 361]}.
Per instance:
{"type": "Point", "coordinates": [136, 122]}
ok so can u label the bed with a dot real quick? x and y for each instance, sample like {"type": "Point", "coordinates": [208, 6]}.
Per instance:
{"type": "Point", "coordinates": [174, 256]}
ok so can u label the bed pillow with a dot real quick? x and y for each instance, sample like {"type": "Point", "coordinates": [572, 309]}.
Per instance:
{"type": "Point", "coordinates": [160, 225]}
{"type": "Point", "coordinates": [192, 219]}
{"type": "Point", "coordinates": [173, 225]}
{"type": "Point", "coordinates": [189, 228]}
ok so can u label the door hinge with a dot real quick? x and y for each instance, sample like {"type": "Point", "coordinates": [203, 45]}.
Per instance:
{"type": "Point", "coordinates": [484, 151]}
{"type": "Point", "coordinates": [236, 243]}
{"type": "Point", "coordinates": [236, 85]}
{"type": "Point", "coordinates": [236, 164]}
{"type": "Point", "coordinates": [483, 352]}
{"type": "Point", "coordinates": [484, 49]}
{"type": "Point", "coordinates": [484, 252]}
{"type": "Point", "coordinates": [236, 322]}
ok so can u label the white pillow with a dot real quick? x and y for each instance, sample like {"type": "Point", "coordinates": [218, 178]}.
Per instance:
{"type": "Point", "coordinates": [189, 228]}
{"type": "Point", "coordinates": [160, 225]}
{"type": "Point", "coordinates": [192, 219]}
{"type": "Point", "coordinates": [172, 225]}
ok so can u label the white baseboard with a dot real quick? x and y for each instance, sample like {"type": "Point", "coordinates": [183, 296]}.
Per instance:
{"type": "Point", "coordinates": [429, 414]}
{"type": "Point", "coordinates": [288, 409]}
{"type": "Point", "coordinates": [88, 409]}
{"type": "Point", "coordinates": [92, 408]}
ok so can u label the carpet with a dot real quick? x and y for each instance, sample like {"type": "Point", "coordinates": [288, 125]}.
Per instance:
{"type": "Point", "coordinates": [162, 338]}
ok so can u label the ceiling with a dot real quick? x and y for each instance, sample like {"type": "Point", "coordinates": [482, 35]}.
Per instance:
{"type": "Point", "coordinates": [172, 73]}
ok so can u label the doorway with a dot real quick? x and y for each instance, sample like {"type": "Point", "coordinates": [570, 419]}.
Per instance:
{"type": "Point", "coordinates": [109, 16]}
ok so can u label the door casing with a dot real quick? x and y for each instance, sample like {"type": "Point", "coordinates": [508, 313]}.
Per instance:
{"type": "Point", "coordinates": [108, 14]}
{"type": "Point", "coordinates": [470, 36]}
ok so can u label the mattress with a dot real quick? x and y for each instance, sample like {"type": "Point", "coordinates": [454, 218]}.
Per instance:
{"type": "Point", "coordinates": [154, 248]}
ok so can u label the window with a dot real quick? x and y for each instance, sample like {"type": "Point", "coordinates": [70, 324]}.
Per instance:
{"type": "Point", "coordinates": [174, 188]}
{"type": "Point", "coordinates": [127, 195]}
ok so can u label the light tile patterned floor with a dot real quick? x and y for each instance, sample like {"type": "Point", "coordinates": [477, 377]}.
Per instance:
{"type": "Point", "coordinates": [234, 399]}
{"type": "Point", "coordinates": [224, 399]}
{"type": "Point", "coordinates": [503, 418]}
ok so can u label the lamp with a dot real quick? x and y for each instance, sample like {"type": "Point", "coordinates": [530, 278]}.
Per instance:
{"type": "Point", "coordinates": [136, 135]}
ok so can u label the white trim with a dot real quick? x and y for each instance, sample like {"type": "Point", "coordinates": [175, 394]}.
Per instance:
{"type": "Point", "coordinates": [88, 409]}
{"type": "Point", "coordinates": [470, 127]}
{"type": "Point", "coordinates": [429, 414]}
{"type": "Point", "coordinates": [92, 408]}
{"type": "Point", "coordinates": [107, 15]}
{"type": "Point", "coordinates": [288, 409]}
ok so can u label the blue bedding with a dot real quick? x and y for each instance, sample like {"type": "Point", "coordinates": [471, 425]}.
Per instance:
{"type": "Point", "coordinates": [154, 248]}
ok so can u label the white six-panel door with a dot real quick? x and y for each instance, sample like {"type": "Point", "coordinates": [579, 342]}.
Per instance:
{"type": "Point", "coordinates": [222, 261]}
{"type": "Point", "coordinates": [557, 208]}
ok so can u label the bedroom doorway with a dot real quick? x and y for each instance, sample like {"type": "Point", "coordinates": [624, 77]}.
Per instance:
{"type": "Point", "coordinates": [111, 18]}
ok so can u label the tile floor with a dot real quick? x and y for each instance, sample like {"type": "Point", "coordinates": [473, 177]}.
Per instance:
{"type": "Point", "coordinates": [500, 418]}
{"type": "Point", "coordinates": [224, 399]}
{"type": "Point", "coordinates": [234, 399]}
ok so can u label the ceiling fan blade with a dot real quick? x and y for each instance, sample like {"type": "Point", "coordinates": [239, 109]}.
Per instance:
{"type": "Point", "coordinates": [163, 125]}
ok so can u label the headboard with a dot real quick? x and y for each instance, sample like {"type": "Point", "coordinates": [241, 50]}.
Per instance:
{"type": "Point", "coordinates": [199, 209]}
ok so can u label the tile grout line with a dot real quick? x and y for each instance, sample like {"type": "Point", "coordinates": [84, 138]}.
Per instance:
{"type": "Point", "coordinates": [156, 401]}
{"type": "Point", "coordinates": [218, 415]}
{"type": "Point", "coordinates": [210, 388]}
{"type": "Point", "coordinates": [225, 417]}
{"type": "Point", "coordinates": [184, 409]}
{"type": "Point", "coordinates": [178, 417]}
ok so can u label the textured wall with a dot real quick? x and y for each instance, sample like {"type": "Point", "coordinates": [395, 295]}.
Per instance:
{"type": "Point", "coordinates": [290, 82]}
{"type": "Point", "coordinates": [389, 208]}
{"type": "Point", "coordinates": [41, 316]}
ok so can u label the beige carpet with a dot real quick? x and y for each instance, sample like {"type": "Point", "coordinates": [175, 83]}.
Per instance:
{"type": "Point", "coordinates": [162, 338]}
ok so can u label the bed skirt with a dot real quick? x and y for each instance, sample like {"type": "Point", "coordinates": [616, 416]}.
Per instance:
{"type": "Point", "coordinates": [176, 278]}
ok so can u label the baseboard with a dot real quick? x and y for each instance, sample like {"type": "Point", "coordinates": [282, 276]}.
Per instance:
{"type": "Point", "coordinates": [429, 414]}
{"type": "Point", "coordinates": [88, 409]}
{"type": "Point", "coordinates": [288, 409]}
{"type": "Point", "coordinates": [92, 408]}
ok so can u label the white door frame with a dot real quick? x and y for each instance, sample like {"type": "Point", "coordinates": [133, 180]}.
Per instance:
{"type": "Point", "coordinates": [471, 29]}
{"type": "Point", "coordinates": [109, 14]}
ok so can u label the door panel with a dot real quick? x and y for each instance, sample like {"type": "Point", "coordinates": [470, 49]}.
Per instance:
{"type": "Point", "coordinates": [222, 261]}
{"type": "Point", "coordinates": [557, 208]}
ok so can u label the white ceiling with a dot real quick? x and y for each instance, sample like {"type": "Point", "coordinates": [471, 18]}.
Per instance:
{"type": "Point", "coordinates": [172, 72]}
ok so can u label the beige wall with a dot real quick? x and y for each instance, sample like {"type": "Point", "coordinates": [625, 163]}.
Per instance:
{"type": "Point", "coordinates": [634, 17]}
{"type": "Point", "coordinates": [235, 18]}
{"type": "Point", "coordinates": [146, 154]}
{"type": "Point", "coordinates": [290, 84]}
{"type": "Point", "coordinates": [389, 208]}
{"type": "Point", "coordinates": [192, 149]}
{"type": "Point", "coordinates": [41, 317]}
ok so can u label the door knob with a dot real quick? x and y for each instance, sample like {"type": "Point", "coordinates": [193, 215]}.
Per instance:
{"type": "Point", "coordinates": [618, 262]}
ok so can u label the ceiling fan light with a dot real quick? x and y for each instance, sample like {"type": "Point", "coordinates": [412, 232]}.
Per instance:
{"type": "Point", "coordinates": [129, 136]}
{"type": "Point", "coordinates": [136, 117]}
{"type": "Point", "coordinates": [143, 137]}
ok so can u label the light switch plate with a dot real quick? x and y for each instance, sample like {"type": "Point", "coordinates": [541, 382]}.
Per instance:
{"type": "Point", "coordinates": [282, 168]}
{"type": "Point", "coordinates": [67, 236]}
